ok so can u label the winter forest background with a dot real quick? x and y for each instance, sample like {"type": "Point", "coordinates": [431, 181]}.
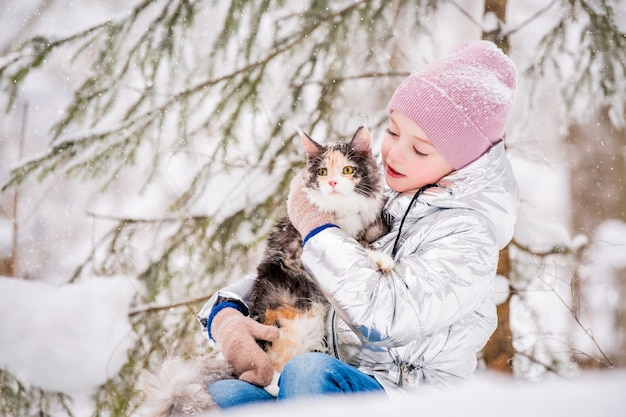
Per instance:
{"type": "Point", "coordinates": [146, 147]}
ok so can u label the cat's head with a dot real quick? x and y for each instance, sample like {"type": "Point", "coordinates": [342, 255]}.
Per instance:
{"type": "Point", "coordinates": [337, 172]}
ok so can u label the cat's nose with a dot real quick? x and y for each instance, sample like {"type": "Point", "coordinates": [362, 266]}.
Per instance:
{"type": "Point", "coordinates": [332, 183]}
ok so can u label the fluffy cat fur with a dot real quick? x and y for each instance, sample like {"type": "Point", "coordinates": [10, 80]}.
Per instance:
{"type": "Point", "coordinates": [180, 386]}
{"type": "Point", "coordinates": [342, 178]}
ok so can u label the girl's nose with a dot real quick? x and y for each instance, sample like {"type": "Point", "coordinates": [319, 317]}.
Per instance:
{"type": "Point", "coordinates": [395, 153]}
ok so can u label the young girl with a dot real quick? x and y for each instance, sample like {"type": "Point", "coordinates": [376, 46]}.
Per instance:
{"type": "Point", "coordinates": [452, 208]}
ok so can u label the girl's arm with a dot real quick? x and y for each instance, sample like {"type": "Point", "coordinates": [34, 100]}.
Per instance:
{"type": "Point", "coordinates": [441, 275]}
{"type": "Point", "coordinates": [237, 292]}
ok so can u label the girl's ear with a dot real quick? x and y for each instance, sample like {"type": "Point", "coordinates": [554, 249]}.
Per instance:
{"type": "Point", "coordinates": [312, 148]}
{"type": "Point", "coordinates": [361, 141]}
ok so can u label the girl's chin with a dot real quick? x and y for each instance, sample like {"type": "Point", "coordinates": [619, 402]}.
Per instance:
{"type": "Point", "coordinates": [394, 185]}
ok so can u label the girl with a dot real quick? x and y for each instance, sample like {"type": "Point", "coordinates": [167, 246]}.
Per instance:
{"type": "Point", "coordinates": [452, 207]}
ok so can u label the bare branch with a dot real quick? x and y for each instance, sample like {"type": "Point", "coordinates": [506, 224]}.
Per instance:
{"type": "Point", "coordinates": [530, 19]}
{"type": "Point", "coordinates": [151, 308]}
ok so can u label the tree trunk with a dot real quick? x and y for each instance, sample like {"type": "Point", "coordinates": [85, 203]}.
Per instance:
{"type": "Point", "coordinates": [497, 7]}
{"type": "Point", "coordinates": [498, 353]}
{"type": "Point", "coordinates": [6, 268]}
{"type": "Point", "coordinates": [598, 170]}
{"type": "Point", "coordinates": [598, 192]}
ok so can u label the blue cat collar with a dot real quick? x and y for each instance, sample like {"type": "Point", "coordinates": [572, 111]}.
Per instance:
{"type": "Point", "coordinates": [316, 231]}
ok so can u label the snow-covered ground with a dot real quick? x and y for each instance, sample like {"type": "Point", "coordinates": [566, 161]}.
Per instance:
{"type": "Point", "coordinates": [73, 337]}
{"type": "Point", "coordinates": [597, 395]}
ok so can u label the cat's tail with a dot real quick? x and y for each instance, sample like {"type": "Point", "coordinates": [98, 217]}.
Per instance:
{"type": "Point", "coordinates": [179, 388]}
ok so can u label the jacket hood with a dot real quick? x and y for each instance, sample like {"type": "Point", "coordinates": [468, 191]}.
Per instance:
{"type": "Point", "coordinates": [486, 186]}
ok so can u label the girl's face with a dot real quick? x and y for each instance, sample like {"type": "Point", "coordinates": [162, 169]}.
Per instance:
{"type": "Point", "coordinates": [410, 160]}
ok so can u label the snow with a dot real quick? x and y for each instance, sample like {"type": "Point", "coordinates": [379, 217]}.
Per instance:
{"type": "Point", "coordinates": [608, 252]}
{"type": "Point", "coordinates": [542, 219]}
{"type": "Point", "coordinates": [6, 229]}
{"type": "Point", "coordinates": [65, 338]}
{"type": "Point", "coordinates": [73, 337]}
{"type": "Point", "coordinates": [611, 244]}
{"type": "Point", "coordinates": [482, 396]}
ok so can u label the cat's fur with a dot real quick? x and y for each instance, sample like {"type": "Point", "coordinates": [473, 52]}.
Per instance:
{"type": "Point", "coordinates": [284, 295]}
{"type": "Point", "coordinates": [341, 178]}
{"type": "Point", "coordinates": [180, 386]}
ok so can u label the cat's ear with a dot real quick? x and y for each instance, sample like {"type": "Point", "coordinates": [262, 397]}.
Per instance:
{"type": "Point", "coordinates": [361, 141]}
{"type": "Point", "coordinates": [312, 148]}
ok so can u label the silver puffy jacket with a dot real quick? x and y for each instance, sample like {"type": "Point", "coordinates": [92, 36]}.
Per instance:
{"type": "Point", "coordinates": [424, 322]}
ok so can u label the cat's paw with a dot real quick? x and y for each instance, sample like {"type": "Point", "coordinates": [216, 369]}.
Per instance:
{"type": "Point", "coordinates": [384, 262]}
{"type": "Point", "coordinates": [273, 388]}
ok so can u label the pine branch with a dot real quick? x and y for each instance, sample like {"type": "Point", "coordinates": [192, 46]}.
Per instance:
{"type": "Point", "coordinates": [19, 399]}
{"type": "Point", "coordinates": [594, 73]}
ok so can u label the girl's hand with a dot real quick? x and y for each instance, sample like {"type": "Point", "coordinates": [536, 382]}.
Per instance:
{"type": "Point", "coordinates": [237, 337]}
{"type": "Point", "coordinates": [304, 215]}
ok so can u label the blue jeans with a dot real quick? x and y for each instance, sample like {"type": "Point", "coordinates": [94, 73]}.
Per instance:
{"type": "Point", "coordinates": [308, 374]}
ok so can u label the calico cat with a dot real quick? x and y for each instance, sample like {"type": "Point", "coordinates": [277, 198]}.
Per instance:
{"type": "Point", "coordinates": [342, 178]}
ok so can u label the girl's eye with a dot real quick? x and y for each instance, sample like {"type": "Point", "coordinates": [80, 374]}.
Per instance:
{"type": "Point", "coordinates": [322, 172]}
{"type": "Point", "coordinates": [348, 170]}
{"type": "Point", "coordinates": [392, 133]}
{"type": "Point", "coordinates": [419, 153]}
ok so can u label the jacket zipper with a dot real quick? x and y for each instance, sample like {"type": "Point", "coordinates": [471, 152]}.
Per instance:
{"type": "Point", "coordinates": [333, 331]}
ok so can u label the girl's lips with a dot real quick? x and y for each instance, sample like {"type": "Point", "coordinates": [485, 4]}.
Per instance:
{"type": "Point", "coordinates": [393, 173]}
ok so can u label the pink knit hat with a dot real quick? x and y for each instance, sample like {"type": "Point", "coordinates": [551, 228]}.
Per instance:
{"type": "Point", "coordinates": [462, 101]}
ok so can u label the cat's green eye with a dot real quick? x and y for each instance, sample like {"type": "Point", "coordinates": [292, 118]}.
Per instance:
{"type": "Point", "coordinates": [322, 172]}
{"type": "Point", "coordinates": [348, 170]}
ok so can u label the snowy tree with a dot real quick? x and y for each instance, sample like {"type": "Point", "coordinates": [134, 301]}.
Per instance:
{"type": "Point", "coordinates": [182, 122]}
{"type": "Point", "coordinates": [585, 49]}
